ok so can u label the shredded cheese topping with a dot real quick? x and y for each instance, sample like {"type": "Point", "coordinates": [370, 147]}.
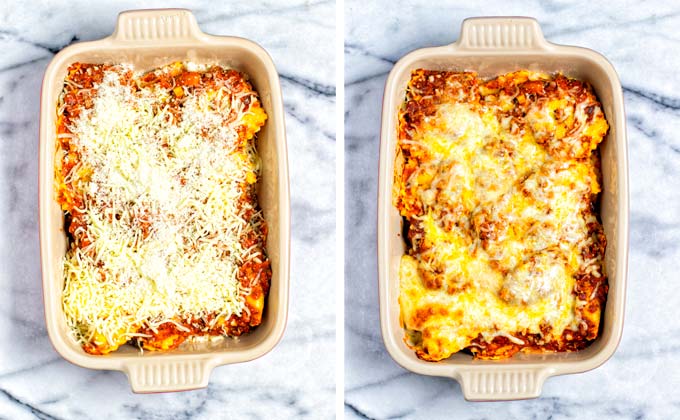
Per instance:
{"type": "Point", "coordinates": [164, 207]}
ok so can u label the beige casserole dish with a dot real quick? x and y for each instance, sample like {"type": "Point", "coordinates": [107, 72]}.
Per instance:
{"type": "Point", "coordinates": [148, 39]}
{"type": "Point", "coordinates": [493, 46]}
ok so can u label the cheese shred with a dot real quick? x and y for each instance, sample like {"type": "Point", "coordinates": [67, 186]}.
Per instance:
{"type": "Point", "coordinates": [157, 174]}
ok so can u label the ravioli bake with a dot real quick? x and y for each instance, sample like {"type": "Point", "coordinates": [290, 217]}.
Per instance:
{"type": "Point", "coordinates": [497, 183]}
{"type": "Point", "coordinates": [157, 176]}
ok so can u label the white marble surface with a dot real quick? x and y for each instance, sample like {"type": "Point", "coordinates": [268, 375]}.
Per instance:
{"type": "Point", "coordinates": [642, 380]}
{"type": "Point", "coordinates": [35, 382]}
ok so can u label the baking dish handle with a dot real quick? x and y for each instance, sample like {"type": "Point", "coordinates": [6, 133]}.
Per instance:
{"type": "Point", "coordinates": [501, 384]}
{"type": "Point", "coordinates": [515, 33]}
{"type": "Point", "coordinates": [156, 26]}
{"type": "Point", "coordinates": [165, 375]}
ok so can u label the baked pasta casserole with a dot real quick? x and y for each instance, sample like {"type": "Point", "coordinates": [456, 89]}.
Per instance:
{"type": "Point", "coordinates": [156, 173]}
{"type": "Point", "coordinates": [497, 183]}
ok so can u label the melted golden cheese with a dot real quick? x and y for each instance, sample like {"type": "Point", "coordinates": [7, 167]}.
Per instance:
{"type": "Point", "coordinates": [498, 198]}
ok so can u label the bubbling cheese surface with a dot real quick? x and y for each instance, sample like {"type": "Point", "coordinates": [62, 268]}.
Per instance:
{"type": "Point", "coordinates": [496, 185]}
{"type": "Point", "coordinates": [163, 205]}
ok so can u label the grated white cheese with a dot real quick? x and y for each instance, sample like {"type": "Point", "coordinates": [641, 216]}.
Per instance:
{"type": "Point", "coordinates": [164, 210]}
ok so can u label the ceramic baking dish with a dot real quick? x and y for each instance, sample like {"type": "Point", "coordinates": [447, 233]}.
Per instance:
{"type": "Point", "coordinates": [493, 46]}
{"type": "Point", "coordinates": [148, 39]}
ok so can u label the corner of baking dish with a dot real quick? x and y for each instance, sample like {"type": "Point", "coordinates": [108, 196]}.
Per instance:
{"type": "Point", "coordinates": [149, 29]}
{"type": "Point", "coordinates": [508, 379]}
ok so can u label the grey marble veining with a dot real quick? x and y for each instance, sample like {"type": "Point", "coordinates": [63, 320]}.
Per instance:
{"type": "Point", "coordinates": [35, 382]}
{"type": "Point", "coordinates": [641, 39]}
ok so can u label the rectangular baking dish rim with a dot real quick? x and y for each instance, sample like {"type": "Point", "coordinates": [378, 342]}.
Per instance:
{"type": "Point", "coordinates": [195, 367]}
{"type": "Point", "coordinates": [479, 379]}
